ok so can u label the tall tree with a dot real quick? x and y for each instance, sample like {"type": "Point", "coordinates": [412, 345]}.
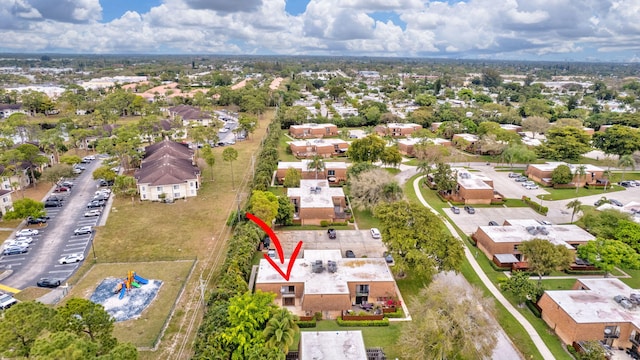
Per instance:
{"type": "Point", "coordinates": [374, 187]}
{"type": "Point", "coordinates": [281, 330]}
{"type": "Point", "coordinates": [23, 208]}
{"type": "Point", "coordinates": [579, 174]}
{"type": "Point", "coordinates": [316, 164]}
{"type": "Point", "coordinates": [285, 211]}
{"type": "Point", "coordinates": [626, 161]}
{"type": "Point", "coordinates": [86, 318]}
{"type": "Point", "coordinates": [561, 175]}
{"type": "Point", "coordinates": [520, 286]}
{"type": "Point", "coordinates": [565, 143]}
{"type": "Point", "coordinates": [450, 322]}
{"type": "Point", "coordinates": [618, 139]}
{"type": "Point", "coordinates": [230, 155]}
{"type": "Point", "coordinates": [391, 156]}
{"type": "Point", "coordinates": [417, 240]}
{"type": "Point", "coordinates": [264, 205]}
{"type": "Point", "coordinates": [367, 149]}
{"type": "Point", "coordinates": [292, 178]}
{"type": "Point", "coordinates": [32, 156]}
{"type": "Point", "coordinates": [21, 325]}
{"type": "Point", "coordinates": [542, 256]}
{"type": "Point", "coordinates": [209, 157]}
{"type": "Point", "coordinates": [607, 254]}
{"type": "Point", "coordinates": [575, 206]}
{"type": "Point", "coordinates": [444, 178]}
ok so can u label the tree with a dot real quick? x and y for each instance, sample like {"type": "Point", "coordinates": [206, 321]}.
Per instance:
{"type": "Point", "coordinates": [450, 322]}
{"type": "Point", "coordinates": [491, 78]}
{"type": "Point", "coordinates": [24, 208]}
{"type": "Point", "coordinates": [565, 143]}
{"type": "Point", "coordinates": [618, 139]}
{"type": "Point", "coordinates": [367, 149]}
{"type": "Point", "coordinates": [579, 174]}
{"type": "Point", "coordinates": [626, 161]}
{"type": "Point", "coordinates": [444, 178]}
{"type": "Point", "coordinates": [54, 173]}
{"type": "Point", "coordinates": [591, 350]}
{"type": "Point", "coordinates": [629, 233]}
{"type": "Point", "coordinates": [104, 172]}
{"type": "Point", "coordinates": [316, 164]}
{"type": "Point", "coordinates": [64, 345]}
{"type": "Point", "coordinates": [542, 256]}
{"type": "Point", "coordinates": [518, 153]}
{"type": "Point", "coordinates": [292, 178]}
{"type": "Point", "coordinates": [535, 124]}
{"type": "Point", "coordinates": [32, 156]}
{"type": "Point", "coordinates": [230, 155]}
{"type": "Point", "coordinates": [607, 254]}
{"type": "Point", "coordinates": [373, 187]}
{"type": "Point", "coordinates": [417, 240]}
{"type": "Point", "coordinates": [86, 318]}
{"type": "Point", "coordinates": [209, 157]}
{"type": "Point", "coordinates": [264, 205]}
{"type": "Point", "coordinates": [561, 175]}
{"type": "Point", "coordinates": [285, 211]}
{"type": "Point", "coordinates": [21, 325]}
{"type": "Point", "coordinates": [125, 185]}
{"type": "Point", "coordinates": [281, 330]}
{"type": "Point", "coordinates": [391, 156]}
{"type": "Point", "coordinates": [520, 286]}
{"type": "Point", "coordinates": [575, 206]}
{"type": "Point", "coordinates": [247, 124]}
{"type": "Point", "coordinates": [70, 159]}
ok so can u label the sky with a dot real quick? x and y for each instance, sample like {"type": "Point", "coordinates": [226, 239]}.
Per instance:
{"type": "Point", "coordinates": [573, 30]}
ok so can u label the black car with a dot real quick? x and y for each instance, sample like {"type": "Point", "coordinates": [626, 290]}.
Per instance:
{"type": "Point", "coordinates": [349, 254]}
{"type": "Point", "coordinates": [469, 209]}
{"type": "Point", "coordinates": [601, 201]}
{"type": "Point", "coordinates": [388, 258]}
{"type": "Point", "coordinates": [95, 204]}
{"type": "Point", "coordinates": [493, 223]}
{"type": "Point", "coordinates": [48, 283]}
{"type": "Point", "coordinates": [455, 209]}
{"type": "Point", "coordinates": [103, 182]}
{"type": "Point", "coordinates": [332, 233]}
{"type": "Point", "coordinates": [38, 220]}
{"type": "Point", "coordinates": [50, 203]}
{"type": "Point", "coordinates": [616, 202]}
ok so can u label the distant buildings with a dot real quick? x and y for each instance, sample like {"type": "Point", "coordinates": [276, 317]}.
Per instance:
{"type": "Point", "coordinates": [322, 147]}
{"type": "Point", "coordinates": [542, 173]}
{"type": "Point", "coordinates": [397, 130]}
{"type": "Point", "coordinates": [407, 146]}
{"type": "Point", "coordinates": [315, 131]}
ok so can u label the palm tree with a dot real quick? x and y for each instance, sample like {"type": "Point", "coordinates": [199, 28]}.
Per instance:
{"type": "Point", "coordinates": [316, 164]}
{"type": "Point", "coordinates": [625, 162]}
{"type": "Point", "coordinates": [607, 175]}
{"type": "Point", "coordinates": [576, 206]}
{"type": "Point", "coordinates": [580, 172]}
{"type": "Point", "coordinates": [230, 155]}
{"type": "Point", "coordinates": [281, 330]}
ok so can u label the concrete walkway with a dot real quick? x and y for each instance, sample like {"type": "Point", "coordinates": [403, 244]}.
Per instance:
{"type": "Point", "coordinates": [542, 347]}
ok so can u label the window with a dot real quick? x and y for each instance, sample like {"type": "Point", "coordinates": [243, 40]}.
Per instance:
{"type": "Point", "coordinates": [191, 184]}
{"type": "Point", "coordinates": [515, 247]}
{"type": "Point", "coordinates": [176, 195]}
{"type": "Point", "coordinates": [331, 172]}
{"type": "Point", "coordinates": [176, 187]}
{"type": "Point", "coordinates": [159, 189]}
{"type": "Point", "coordinates": [288, 290]}
{"type": "Point", "coordinates": [362, 290]}
{"type": "Point", "coordinates": [144, 196]}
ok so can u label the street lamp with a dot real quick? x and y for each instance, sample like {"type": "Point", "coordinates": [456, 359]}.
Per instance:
{"type": "Point", "coordinates": [541, 198]}
{"type": "Point", "coordinates": [93, 249]}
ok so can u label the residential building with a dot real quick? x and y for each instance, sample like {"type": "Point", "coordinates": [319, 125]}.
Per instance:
{"type": "Point", "coordinates": [474, 188]}
{"type": "Point", "coordinates": [500, 243]}
{"type": "Point", "coordinates": [542, 173]}
{"type": "Point", "coordinates": [322, 147]}
{"type": "Point", "coordinates": [323, 281]}
{"type": "Point", "coordinates": [469, 141]}
{"type": "Point", "coordinates": [511, 127]}
{"type": "Point", "coordinates": [190, 115]}
{"type": "Point", "coordinates": [397, 130]}
{"type": "Point", "coordinates": [314, 201]}
{"type": "Point", "coordinates": [6, 202]}
{"type": "Point", "coordinates": [604, 309]}
{"type": "Point", "coordinates": [332, 345]}
{"type": "Point", "coordinates": [7, 110]}
{"type": "Point", "coordinates": [315, 131]}
{"type": "Point", "coordinates": [407, 146]}
{"type": "Point", "coordinates": [167, 172]}
{"type": "Point", "coordinates": [335, 172]}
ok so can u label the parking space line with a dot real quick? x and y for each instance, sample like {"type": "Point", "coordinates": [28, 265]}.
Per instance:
{"type": "Point", "coordinates": [61, 271]}
{"type": "Point", "coordinates": [77, 240]}
{"type": "Point", "coordinates": [9, 289]}
{"type": "Point", "coordinates": [74, 248]}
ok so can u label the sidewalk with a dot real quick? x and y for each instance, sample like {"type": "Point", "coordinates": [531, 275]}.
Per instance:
{"type": "Point", "coordinates": [542, 347]}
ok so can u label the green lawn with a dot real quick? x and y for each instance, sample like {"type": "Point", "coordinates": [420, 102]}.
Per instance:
{"type": "Point", "coordinates": [634, 280]}
{"type": "Point", "coordinates": [392, 171]}
{"type": "Point", "coordinates": [283, 155]}
{"type": "Point", "coordinates": [558, 284]}
{"type": "Point", "coordinates": [563, 194]}
{"type": "Point", "coordinates": [365, 219]}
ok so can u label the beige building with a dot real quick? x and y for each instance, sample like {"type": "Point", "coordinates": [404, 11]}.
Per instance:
{"type": "Point", "coordinates": [407, 146]}
{"type": "Point", "coordinates": [315, 131]}
{"type": "Point", "coordinates": [323, 147]}
{"type": "Point", "coordinates": [324, 281]}
{"type": "Point", "coordinates": [6, 202]}
{"type": "Point", "coordinates": [315, 201]}
{"type": "Point", "coordinates": [542, 173]}
{"type": "Point", "coordinates": [604, 309]}
{"type": "Point", "coordinates": [397, 129]}
{"type": "Point", "coordinates": [334, 171]}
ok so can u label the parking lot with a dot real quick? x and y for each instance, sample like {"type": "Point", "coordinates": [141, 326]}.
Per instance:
{"type": "Point", "coordinates": [469, 223]}
{"type": "Point", "coordinates": [359, 241]}
{"type": "Point", "coordinates": [506, 186]}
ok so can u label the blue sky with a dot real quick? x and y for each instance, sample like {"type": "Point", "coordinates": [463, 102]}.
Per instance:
{"type": "Point", "coordinates": [585, 30]}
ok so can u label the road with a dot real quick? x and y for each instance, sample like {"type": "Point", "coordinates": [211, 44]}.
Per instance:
{"type": "Point", "coordinates": [56, 239]}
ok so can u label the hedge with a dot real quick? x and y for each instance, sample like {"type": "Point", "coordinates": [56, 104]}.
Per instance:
{"type": "Point", "coordinates": [306, 324]}
{"type": "Point", "coordinates": [395, 315]}
{"type": "Point", "coordinates": [363, 323]}
{"type": "Point", "coordinates": [535, 206]}
{"type": "Point", "coordinates": [533, 308]}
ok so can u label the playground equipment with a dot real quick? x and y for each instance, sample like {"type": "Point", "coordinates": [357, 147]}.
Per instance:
{"type": "Point", "coordinates": [132, 280]}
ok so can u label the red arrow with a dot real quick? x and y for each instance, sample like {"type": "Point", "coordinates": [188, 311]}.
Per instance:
{"type": "Point", "coordinates": [276, 242]}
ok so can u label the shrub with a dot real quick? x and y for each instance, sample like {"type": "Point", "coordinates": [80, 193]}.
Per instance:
{"type": "Point", "coordinates": [324, 223]}
{"type": "Point", "coordinates": [533, 308]}
{"type": "Point", "coordinates": [362, 323]}
{"type": "Point", "coordinates": [318, 316]}
{"type": "Point", "coordinates": [394, 315]}
{"type": "Point", "coordinates": [306, 324]}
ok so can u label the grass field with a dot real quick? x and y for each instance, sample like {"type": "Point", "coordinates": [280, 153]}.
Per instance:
{"type": "Point", "coordinates": [563, 194]}
{"type": "Point", "coordinates": [365, 219]}
{"type": "Point", "coordinates": [142, 332]}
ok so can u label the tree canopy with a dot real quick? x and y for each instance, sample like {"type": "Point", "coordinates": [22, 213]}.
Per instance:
{"type": "Point", "coordinates": [561, 175]}
{"type": "Point", "coordinates": [374, 187]}
{"type": "Point", "coordinates": [23, 208]}
{"type": "Point", "coordinates": [618, 139]}
{"type": "Point", "coordinates": [542, 256]}
{"type": "Point", "coordinates": [565, 143]}
{"type": "Point", "coordinates": [368, 149]}
{"type": "Point", "coordinates": [607, 254]}
{"type": "Point", "coordinates": [264, 205]}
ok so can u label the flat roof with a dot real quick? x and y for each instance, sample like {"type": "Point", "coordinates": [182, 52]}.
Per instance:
{"type": "Point", "coordinates": [310, 125]}
{"type": "Point", "coordinates": [414, 141]}
{"type": "Point", "coordinates": [304, 164]}
{"type": "Point", "coordinates": [596, 305]}
{"type": "Point", "coordinates": [468, 137]}
{"type": "Point", "coordinates": [556, 234]}
{"type": "Point", "coordinates": [365, 270]}
{"type": "Point", "coordinates": [317, 142]}
{"type": "Point", "coordinates": [551, 165]}
{"type": "Point", "coordinates": [332, 345]}
{"type": "Point", "coordinates": [402, 125]}
{"type": "Point", "coordinates": [315, 194]}
{"type": "Point", "coordinates": [470, 180]}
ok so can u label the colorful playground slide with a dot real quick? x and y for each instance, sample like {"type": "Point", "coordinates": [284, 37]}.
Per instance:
{"type": "Point", "coordinates": [132, 280]}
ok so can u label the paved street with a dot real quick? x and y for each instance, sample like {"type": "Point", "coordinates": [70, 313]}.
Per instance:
{"type": "Point", "coordinates": [359, 241]}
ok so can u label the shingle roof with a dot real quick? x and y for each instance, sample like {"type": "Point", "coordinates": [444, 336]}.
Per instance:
{"type": "Point", "coordinates": [188, 112]}
{"type": "Point", "coordinates": [166, 163]}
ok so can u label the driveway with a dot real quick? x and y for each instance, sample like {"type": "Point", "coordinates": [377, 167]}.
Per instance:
{"type": "Point", "coordinates": [506, 186]}
{"type": "Point", "coordinates": [359, 241]}
{"type": "Point", "coordinates": [469, 223]}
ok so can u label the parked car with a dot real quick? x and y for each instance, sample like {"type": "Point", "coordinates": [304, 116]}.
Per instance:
{"type": "Point", "coordinates": [27, 239]}
{"type": "Point", "coordinates": [52, 203]}
{"type": "Point", "coordinates": [545, 222]}
{"type": "Point", "coordinates": [528, 182]}
{"type": "Point", "coordinates": [616, 202]}
{"type": "Point", "coordinates": [602, 200]}
{"type": "Point", "coordinates": [27, 232]}
{"type": "Point", "coordinates": [16, 243]}
{"type": "Point", "coordinates": [71, 258]}
{"type": "Point", "coordinates": [455, 209]}
{"type": "Point", "coordinates": [332, 233]}
{"type": "Point", "coordinates": [95, 204]}
{"type": "Point", "coordinates": [625, 184]}
{"type": "Point", "coordinates": [388, 258]}
{"type": "Point", "coordinates": [349, 254]}
{"type": "Point", "coordinates": [6, 301]}
{"type": "Point", "coordinates": [103, 182]}
{"type": "Point", "coordinates": [90, 213]}
{"type": "Point", "coordinates": [469, 209]}
{"type": "Point", "coordinates": [67, 183]}
{"type": "Point", "coordinates": [521, 179]}
{"type": "Point", "coordinates": [13, 250]}
{"type": "Point", "coordinates": [62, 189]}
{"type": "Point", "coordinates": [48, 283]}
{"type": "Point", "coordinates": [493, 223]}
{"type": "Point", "coordinates": [39, 220]}
{"type": "Point", "coordinates": [531, 187]}
{"type": "Point", "coordinates": [271, 253]}
{"type": "Point", "coordinates": [375, 233]}
{"type": "Point", "coordinates": [83, 230]}
{"type": "Point", "coordinates": [514, 175]}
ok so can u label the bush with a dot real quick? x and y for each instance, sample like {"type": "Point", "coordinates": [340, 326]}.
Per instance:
{"type": "Point", "coordinates": [395, 315]}
{"type": "Point", "coordinates": [324, 223]}
{"type": "Point", "coordinates": [533, 308]}
{"type": "Point", "coordinates": [535, 206]}
{"type": "Point", "coordinates": [363, 323]}
{"type": "Point", "coordinates": [306, 324]}
{"type": "Point", "coordinates": [318, 316]}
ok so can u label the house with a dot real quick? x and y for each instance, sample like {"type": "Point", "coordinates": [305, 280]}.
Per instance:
{"type": "Point", "coordinates": [190, 115]}
{"type": "Point", "coordinates": [468, 140]}
{"type": "Point", "coordinates": [331, 345]}
{"type": "Point", "coordinates": [542, 173]}
{"type": "Point", "coordinates": [323, 281]}
{"type": "Point", "coordinates": [6, 202]}
{"type": "Point", "coordinates": [511, 127]}
{"type": "Point", "coordinates": [396, 129]}
{"type": "Point", "coordinates": [316, 131]}
{"type": "Point", "coordinates": [474, 188]}
{"type": "Point", "coordinates": [500, 243]}
{"type": "Point", "coordinates": [314, 201]}
{"type": "Point", "coordinates": [334, 171]}
{"type": "Point", "coordinates": [322, 147]}
{"type": "Point", "coordinates": [7, 110]}
{"type": "Point", "coordinates": [435, 126]}
{"type": "Point", "coordinates": [167, 172]}
{"type": "Point", "coordinates": [407, 146]}
{"type": "Point", "coordinates": [604, 309]}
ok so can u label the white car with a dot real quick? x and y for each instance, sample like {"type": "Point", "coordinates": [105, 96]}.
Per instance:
{"type": "Point", "coordinates": [71, 258]}
{"type": "Point", "coordinates": [91, 213]}
{"type": "Point", "coordinates": [83, 230]}
{"type": "Point", "coordinates": [27, 232]}
{"type": "Point", "coordinates": [531, 187]}
{"type": "Point", "coordinates": [16, 243]}
{"type": "Point", "coordinates": [27, 239]}
{"type": "Point", "coordinates": [90, 157]}
{"type": "Point", "coordinates": [375, 233]}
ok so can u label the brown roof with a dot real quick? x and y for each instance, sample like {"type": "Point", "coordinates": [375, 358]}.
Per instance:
{"type": "Point", "coordinates": [188, 112]}
{"type": "Point", "coordinates": [166, 163]}
{"type": "Point", "coordinates": [5, 192]}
